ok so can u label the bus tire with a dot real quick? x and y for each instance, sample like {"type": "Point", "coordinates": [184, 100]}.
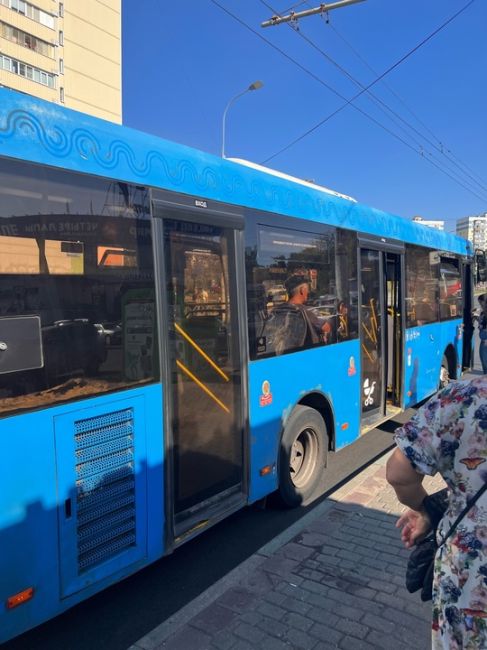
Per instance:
{"type": "Point", "coordinates": [302, 456]}
{"type": "Point", "coordinates": [444, 373]}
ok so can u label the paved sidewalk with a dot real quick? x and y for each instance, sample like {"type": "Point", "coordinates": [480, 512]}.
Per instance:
{"type": "Point", "coordinates": [335, 579]}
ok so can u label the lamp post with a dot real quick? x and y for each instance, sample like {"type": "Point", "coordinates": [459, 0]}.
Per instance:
{"type": "Point", "coordinates": [254, 86]}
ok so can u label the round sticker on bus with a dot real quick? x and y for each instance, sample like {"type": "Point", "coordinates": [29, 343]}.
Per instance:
{"type": "Point", "coordinates": [266, 397]}
{"type": "Point", "coordinates": [351, 367]}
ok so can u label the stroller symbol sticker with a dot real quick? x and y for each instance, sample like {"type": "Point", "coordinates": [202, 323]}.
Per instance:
{"type": "Point", "coordinates": [368, 392]}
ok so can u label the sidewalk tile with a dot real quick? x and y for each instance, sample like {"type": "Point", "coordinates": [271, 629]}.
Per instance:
{"type": "Point", "coordinates": [338, 582]}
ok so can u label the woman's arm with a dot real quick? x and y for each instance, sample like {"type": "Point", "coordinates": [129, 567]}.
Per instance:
{"type": "Point", "coordinates": [405, 480]}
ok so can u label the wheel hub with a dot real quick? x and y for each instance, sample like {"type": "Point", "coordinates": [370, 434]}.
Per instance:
{"type": "Point", "coordinates": [304, 456]}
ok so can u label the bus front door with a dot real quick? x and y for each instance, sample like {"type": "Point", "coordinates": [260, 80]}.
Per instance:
{"type": "Point", "coordinates": [205, 380]}
{"type": "Point", "coordinates": [380, 335]}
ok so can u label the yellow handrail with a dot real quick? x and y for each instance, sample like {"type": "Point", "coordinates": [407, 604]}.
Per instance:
{"type": "Point", "coordinates": [202, 386]}
{"type": "Point", "coordinates": [202, 352]}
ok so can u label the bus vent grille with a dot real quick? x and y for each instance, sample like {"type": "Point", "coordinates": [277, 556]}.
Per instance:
{"type": "Point", "coordinates": [105, 487]}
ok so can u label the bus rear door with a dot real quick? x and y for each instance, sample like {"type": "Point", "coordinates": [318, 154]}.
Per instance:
{"type": "Point", "coordinates": [381, 328]}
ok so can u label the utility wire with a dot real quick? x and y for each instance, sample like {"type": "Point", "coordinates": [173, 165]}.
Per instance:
{"type": "Point", "coordinates": [376, 80]}
{"type": "Point", "coordinates": [335, 92]}
{"type": "Point", "coordinates": [384, 107]}
{"type": "Point", "coordinates": [442, 148]}
{"type": "Point", "coordinates": [294, 6]}
{"type": "Point", "coordinates": [389, 88]}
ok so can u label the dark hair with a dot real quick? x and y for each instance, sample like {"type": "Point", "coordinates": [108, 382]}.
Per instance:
{"type": "Point", "coordinates": [295, 281]}
{"type": "Point", "coordinates": [482, 297]}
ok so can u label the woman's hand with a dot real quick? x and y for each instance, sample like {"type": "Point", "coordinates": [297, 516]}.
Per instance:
{"type": "Point", "coordinates": [415, 525]}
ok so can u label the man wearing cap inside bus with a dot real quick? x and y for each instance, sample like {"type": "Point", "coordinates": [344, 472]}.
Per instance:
{"type": "Point", "coordinates": [317, 331]}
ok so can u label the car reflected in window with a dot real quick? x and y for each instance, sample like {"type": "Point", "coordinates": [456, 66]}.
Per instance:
{"type": "Point", "coordinates": [110, 332]}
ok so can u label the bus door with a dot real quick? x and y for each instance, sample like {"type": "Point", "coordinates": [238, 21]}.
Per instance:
{"type": "Point", "coordinates": [203, 270]}
{"type": "Point", "coordinates": [380, 331]}
{"type": "Point", "coordinates": [468, 329]}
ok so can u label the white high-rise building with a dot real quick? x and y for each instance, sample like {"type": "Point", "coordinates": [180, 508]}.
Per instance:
{"type": "Point", "coordinates": [438, 224]}
{"type": "Point", "coordinates": [474, 229]}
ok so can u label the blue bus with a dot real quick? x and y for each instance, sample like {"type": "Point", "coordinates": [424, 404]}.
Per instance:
{"type": "Point", "coordinates": [182, 335]}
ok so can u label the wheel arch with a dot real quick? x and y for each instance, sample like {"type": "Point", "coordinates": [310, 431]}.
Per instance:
{"type": "Point", "coordinates": [319, 402]}
{"type": "Point", "coordinates": [451, 356]}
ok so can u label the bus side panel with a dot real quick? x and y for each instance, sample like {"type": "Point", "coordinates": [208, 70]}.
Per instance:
{"type": "Point", "coordinates": [35, 550]}
{"type": "Point", "coordinates": [423, 352]}
{"type": "Point", "coordinates": [28, 521]}
{"type": "Point", "coordinates": [279, 383]}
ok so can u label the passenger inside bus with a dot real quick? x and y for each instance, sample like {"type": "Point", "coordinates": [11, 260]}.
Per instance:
{"type": "Point", "coordinates": [300, 325]}
{"type": "Point", "coordinates": [426, 310]}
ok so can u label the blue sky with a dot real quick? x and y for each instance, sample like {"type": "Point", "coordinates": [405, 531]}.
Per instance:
{"type": "Point", "coordinates": [183, 61]}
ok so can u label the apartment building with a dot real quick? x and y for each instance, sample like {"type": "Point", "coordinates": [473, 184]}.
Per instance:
{"type": "Point", "coordinates": [67, 52]}
{"type": "Point", "coordinates": [474, 229]}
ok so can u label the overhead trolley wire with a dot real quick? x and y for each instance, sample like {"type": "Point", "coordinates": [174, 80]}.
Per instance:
{"type": "Point", "coordinates": [294, 6]}
{"type": "Point", "coordinates": [476, 184]}
{"type": "Point", "coordinates": [442, 148]}
{"type": "Point", "coordinates": [347, 102]}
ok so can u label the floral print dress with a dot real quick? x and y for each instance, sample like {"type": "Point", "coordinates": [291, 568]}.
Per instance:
{"type": "Point", "coordinates": [449, 435]}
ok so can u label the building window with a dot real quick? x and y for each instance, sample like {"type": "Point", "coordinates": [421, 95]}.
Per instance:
{"type": "Point", "coordinates": [26, 9]}
{"type": "Point", "coordinates": [61, 95]}
{"type": "Point", "coordinates": [61, 37]}
{"type": "Point", "coordinates": [18, 5]}
{"type": "Point", "coordinates": [26, 40]}
{"type": "Point", "coordinates": [6, 63]}
{"type": "Point", "coordinates": [27, 71]}
{"type": "Point", "coordinates": [61, 9]}
{"type": "Point", "coordinates": [61, 66]}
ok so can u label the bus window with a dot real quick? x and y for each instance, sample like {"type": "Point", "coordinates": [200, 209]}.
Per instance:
{"type": "Point", "coordinates": [346, 285]}
{"type": "Point", "coordinates": [450, 289]}
{"type": "Point", "coordinates": [421, 286]}
{"type": "Point", "coordinates": [88, 280]}
{"type": "Point", "coordinates": [330, 312]}
{"type": "Point", "coordinates": [296, 273]}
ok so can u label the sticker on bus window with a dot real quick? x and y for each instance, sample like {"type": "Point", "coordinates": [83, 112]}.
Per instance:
{"type": "Point", "coordinates": [261, 344]}
{"type": "Point", "coordinates": [368, 392]}
{"type": "Point", "coordinates": [266, 397]}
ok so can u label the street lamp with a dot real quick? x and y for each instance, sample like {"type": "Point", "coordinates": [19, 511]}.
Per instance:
{"type": "Point", "coordinates": [254, 86]}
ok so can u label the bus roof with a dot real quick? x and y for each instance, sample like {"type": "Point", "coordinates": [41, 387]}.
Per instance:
{"type": "Point", "coordinates": [294, 179]}
{"type": "Point", "coordinates": [42, 132]}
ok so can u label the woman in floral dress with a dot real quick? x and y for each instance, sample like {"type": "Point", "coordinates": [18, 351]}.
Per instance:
{"type": "Point", "coordinates": [449, 435]}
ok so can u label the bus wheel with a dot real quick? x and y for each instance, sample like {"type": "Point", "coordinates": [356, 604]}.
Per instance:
{"type": "Point", "coordinates": [302, 457]}
{"type": "Point", "coordinates": [444, 373]}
